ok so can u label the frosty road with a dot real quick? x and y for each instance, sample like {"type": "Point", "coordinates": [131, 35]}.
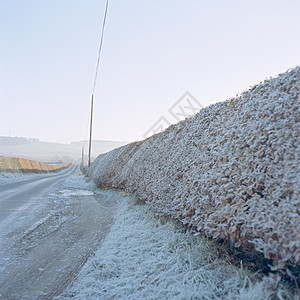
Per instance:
{"type": "Point", "coordinates": [44, 244]}
{"type": "Point", "coordinates": [76, 241]}
{"type": "Point", "coordinates": [14, 195]}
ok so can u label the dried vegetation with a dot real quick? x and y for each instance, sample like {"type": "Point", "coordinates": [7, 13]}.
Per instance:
{"type": "Point", "coordinates": [22, 165]}
{"type": "Point", "coordinates": [231, 171]}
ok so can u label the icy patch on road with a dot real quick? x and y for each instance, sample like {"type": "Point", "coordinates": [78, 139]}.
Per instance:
{"type": "Point", "coordinates": [69, 193]}
{"type": "Point", "coordinates": [144, 259]}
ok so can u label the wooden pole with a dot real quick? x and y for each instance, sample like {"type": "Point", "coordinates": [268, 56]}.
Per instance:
{"type": "Point", "coordinates": [91, 125]}
{"type": "Point", "coordinates": [82, 157]}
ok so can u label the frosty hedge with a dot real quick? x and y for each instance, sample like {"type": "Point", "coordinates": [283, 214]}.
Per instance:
{"type": "Point", "coordinates": [231, 171]}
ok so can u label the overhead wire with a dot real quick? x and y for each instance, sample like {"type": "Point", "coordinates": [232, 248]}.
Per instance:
{"type": "Point", "coordinates": [100, 46]}
{"type": "Point", "coordinates": [95, 79]}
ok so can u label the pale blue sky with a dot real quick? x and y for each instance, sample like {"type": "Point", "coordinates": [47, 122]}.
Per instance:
{"type": "Point", "coordinates": [154, 51]}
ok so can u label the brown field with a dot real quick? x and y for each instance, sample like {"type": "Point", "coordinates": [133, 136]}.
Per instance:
{"type": "Point", "coordinates": [22, 165]}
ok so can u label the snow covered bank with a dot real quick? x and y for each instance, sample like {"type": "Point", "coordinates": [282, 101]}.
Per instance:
{"type": "Point", "coordinates": [13, 177]}
{"type": "Point", "coordinates": [231, 171]}
{"type": "Point", "coordinates": [143, 258]}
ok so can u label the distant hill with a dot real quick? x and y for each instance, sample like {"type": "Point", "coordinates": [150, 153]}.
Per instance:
{"type": "Point", "coordinates": [9, 141]}
{"type": "Point", "coordinates": [99, 143]}
{"type": "Point", "coordinates": [52, 152]}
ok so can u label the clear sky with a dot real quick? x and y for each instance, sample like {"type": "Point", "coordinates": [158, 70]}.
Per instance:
{"type": "Point", "coordinates": [154, 51]}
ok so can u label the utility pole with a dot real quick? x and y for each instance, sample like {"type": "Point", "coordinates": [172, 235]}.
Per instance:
{"type": "Point", "coordinates": [82, 158]}
{"type": "Point", "coordinates": [91, 125]}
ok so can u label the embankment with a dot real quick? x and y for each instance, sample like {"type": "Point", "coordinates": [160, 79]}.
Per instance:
{"type": "Point", "coordinates": [22, 165]}
{"type": "Point", "coordinates": [231, 171]}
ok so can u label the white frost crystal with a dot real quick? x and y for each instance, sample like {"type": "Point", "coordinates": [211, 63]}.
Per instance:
{"type": "Point", "coordinates": [231, 171]}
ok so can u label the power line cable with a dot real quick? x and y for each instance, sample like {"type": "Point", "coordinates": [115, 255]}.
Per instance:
{"type": "Point", "coordinates": [95, 80]}
{"type": "Point", "coordinates": [100, 46]}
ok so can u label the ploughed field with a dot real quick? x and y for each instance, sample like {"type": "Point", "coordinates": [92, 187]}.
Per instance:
{"type": "Point", "coordinates": [22, 165]}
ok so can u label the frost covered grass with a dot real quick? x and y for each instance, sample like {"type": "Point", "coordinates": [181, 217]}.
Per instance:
{"type": "Point", "coordinates": [231, 171]}
{"type": "Point", "coordinates": [144, 258]}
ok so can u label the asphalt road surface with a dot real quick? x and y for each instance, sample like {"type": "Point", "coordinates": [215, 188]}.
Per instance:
{"type": "Point", "coordinates": [44, 244]}
{"type": "Point", "coordinates": [13, 196]}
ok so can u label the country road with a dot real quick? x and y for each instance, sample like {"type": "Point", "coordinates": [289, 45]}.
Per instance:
{"type": "Point", "coordinates": [76, 241]}
{"type": "Point", "coordinates": [14, 195]}
{"type": "Point", "coordinates": [44, 244]}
